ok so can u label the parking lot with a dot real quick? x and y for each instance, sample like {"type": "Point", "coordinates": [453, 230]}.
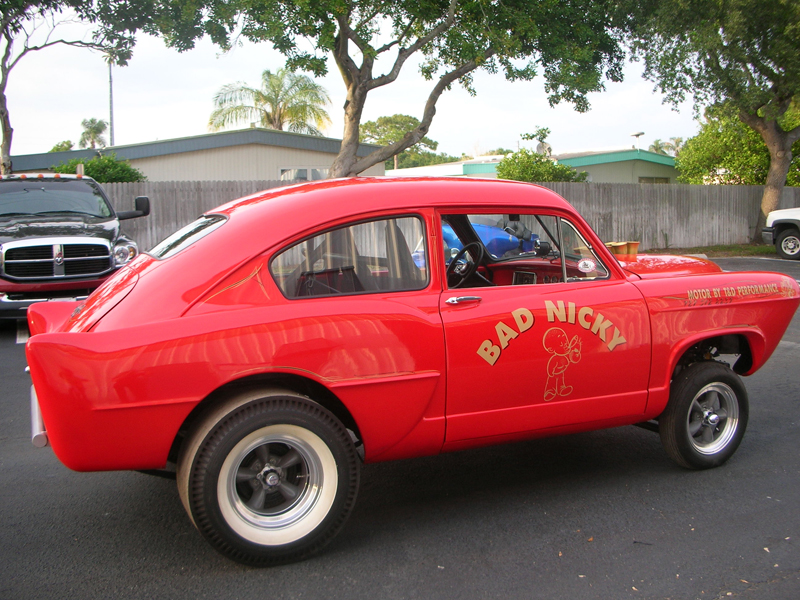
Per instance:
{"type": "Point", "coordinates": [597, 515]}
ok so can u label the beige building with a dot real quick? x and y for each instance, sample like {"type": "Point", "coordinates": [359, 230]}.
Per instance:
{"type": "Point", "coordinates": [243, 155]}
{"type": "Point", "coordinates": [622, 166]}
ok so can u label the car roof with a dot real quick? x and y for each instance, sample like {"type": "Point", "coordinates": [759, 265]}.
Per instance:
{"type": "Point", "coordinates": [320, 202]}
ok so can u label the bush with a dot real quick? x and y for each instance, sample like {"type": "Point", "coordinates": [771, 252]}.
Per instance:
{"type": "Point", "coordinates": [62, 146]}
{"type": "Point", "coordinates": [526, 165]}
{"type": "Point", "coordinates": [103, 169]}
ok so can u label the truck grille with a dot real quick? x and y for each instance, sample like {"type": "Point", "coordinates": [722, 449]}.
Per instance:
{"type": "Point", "coordinates": [56, 260]}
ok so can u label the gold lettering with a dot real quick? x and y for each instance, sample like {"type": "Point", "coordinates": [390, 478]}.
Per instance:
{"type": "Point", "coordinates": [616, 340]}
{"type": "Point", "coordinates": [600, 326]}
{"type": "Point", "coordinates": [504, 334]}
{"type": "Point", "coordinates": [553, 312]}
{"type": "Point", "coordinates": [489, 352]}
{"type": "Point", "coordinates": [523, 318]}
{"type": "Point", "coordinates": [583, 317]}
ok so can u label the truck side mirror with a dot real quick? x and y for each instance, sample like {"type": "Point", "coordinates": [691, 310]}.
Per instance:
{"type": "Point", "coordinates": [142, 204]}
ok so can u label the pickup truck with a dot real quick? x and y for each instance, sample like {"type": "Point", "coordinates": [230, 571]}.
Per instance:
{"type": "Point", "coordinates": [265, 351]}
{"type": "Point", "coordinates": [783, 230]}
{"type": "Point", "coordinates": [60, 239]}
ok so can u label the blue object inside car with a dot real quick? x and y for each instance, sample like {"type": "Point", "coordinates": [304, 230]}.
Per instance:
{"type": "Point", "coordinates": [497, 241]}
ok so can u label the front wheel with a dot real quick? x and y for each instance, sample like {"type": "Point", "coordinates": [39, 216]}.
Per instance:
{"type": "Point", "coordinates": [788, 244]}
{"type": "Point", "coordinates": [268, 478]}
{"type": "Point", "coordinates": [706, 416]}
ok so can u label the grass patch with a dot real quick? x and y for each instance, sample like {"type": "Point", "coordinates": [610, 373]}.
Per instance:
{"type": "Point", "coordinates": [720, 251]}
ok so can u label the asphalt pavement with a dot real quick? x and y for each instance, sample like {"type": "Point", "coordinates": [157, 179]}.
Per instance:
{"type": "Point", "coordinates": [601, 515]}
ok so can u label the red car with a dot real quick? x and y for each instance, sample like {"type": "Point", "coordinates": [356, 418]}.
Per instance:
{"type": "Point", "coordinates": [276, 343]}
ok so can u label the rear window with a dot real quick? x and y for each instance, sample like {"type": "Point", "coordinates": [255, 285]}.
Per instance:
{"type": "Point", "coordinates": [183, 238]}
{"type": "Point", "coordinates": [31, 197]}
{"type": "Point", "coordinates": [368, 257]}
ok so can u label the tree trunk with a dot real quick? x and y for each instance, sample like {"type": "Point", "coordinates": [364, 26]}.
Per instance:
{"type": "Point", "coordinates": [779, 143]}
{"type": "Point", "coordinates": [8, 134]}
{"type": "Point", "coordinates": [348, 152]}
{"type": "Point", "coordinates": [359, 82]}
{"type": "Point", "coordinates": [779, 164]}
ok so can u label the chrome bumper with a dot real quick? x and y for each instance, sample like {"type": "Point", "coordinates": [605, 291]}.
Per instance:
{"type": "Point", "coordinates": [768, 235]}
{"type": "Point", "coordinates": [38, 432]}
{"type": "Point", "coordinates": [18, 309]}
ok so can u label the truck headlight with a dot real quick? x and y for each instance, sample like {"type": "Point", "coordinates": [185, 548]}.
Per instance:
{"type": "Point", "coordinates": [124, 253]}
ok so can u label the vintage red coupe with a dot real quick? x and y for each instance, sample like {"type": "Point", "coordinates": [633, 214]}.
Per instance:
{"type": "Point", "coordinates": [272, 346]}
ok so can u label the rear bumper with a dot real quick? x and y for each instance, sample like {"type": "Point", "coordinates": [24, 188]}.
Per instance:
{"type": "Point", "coordinates": [768, 235]}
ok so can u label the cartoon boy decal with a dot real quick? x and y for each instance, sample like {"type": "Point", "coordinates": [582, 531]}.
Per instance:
{"type": "Point", "coordinates": [564, 351]}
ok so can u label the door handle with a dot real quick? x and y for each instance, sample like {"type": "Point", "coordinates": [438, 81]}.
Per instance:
{"type": "Point", "coordinates": [462, 299]}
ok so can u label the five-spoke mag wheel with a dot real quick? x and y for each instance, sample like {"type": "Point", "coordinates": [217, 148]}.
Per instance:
{"type": "Point", "coordinates": [713, 418]}
{"type": "Point", "coordinates": [706, 416]}
{"type": "Point", "coordinates": [268, 477]}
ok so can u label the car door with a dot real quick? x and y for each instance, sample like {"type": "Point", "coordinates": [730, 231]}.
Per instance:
{"type": "Point", "coordinates": [554, 340]}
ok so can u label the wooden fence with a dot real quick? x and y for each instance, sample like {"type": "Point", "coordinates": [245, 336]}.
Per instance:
{"type": "Point", "coordinates": [659, 216]}
{"type": "Point", "coordinates": [174, 204]}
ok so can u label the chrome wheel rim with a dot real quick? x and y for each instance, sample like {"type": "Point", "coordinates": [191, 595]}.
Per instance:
{"type": "Point", "coordinates": [713, 418]}
{"type": "Point", "coordinates": [277, 484]}
{"type": "Point", "coordinates": [790, 245]}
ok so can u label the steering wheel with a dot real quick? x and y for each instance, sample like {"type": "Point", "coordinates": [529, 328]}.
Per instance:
{"type": "Point", "coordinates": [460, 268]}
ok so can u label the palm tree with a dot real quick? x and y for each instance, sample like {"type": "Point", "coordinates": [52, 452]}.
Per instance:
{"type": "Point", "coordinates": [92, 136]}
{"type": "Point", "coordinates": [659, 147]}
{"type": "Point", "coordinates": [674, 145]}
{"type": "Point", "coordinates": [284, 100]}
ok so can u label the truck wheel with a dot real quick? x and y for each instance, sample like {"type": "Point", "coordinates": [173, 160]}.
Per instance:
{"type": "Point", "coordinates": [788, 244]}
{"type": "Point", "coordinates": [268, 478]}
{"type": "Point", "coordinates": [706, 416]}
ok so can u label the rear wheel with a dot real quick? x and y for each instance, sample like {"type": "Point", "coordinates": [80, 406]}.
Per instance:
{"type": "Point", "coordinates": [706, 416]}
{"type": "Point", "coordinates": [788, 244]}
{"type": "Point", "coordinates": [268, 478]}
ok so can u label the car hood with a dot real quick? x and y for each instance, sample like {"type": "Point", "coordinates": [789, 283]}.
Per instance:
{"type": "Point", "coordinates": [782, 215]}
{"type": "Point", "coordinates": [651, 266]}
{"type": "Point", "coordinates": [28, 227]}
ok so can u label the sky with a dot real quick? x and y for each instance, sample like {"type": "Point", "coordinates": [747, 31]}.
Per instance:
{"type": "Point", "coordinates": [163, 94]}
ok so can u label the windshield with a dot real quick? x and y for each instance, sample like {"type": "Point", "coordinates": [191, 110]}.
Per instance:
{"type": "Point", "coordinates": [42, 197]}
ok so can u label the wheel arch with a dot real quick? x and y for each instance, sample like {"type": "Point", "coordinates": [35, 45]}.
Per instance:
{"type": "Point", "coordinates": [782, 225]}
{"type": "Point", "coordinates": [289, 382]}
{"type": "Point", "coordinates": [707, 346]}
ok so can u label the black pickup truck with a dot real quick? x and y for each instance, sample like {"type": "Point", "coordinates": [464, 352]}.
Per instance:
{"type": "Point", "coordinates": [59, 239]}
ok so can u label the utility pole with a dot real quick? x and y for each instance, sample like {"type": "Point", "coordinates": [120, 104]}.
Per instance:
{"type": "Point", "coordinates": [111, 103]}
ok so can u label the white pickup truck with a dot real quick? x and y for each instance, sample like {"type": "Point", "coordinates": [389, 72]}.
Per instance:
{"type": "Point", "coordinates": [783, 230]}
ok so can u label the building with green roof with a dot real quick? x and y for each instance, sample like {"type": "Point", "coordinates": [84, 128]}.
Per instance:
{"type": "Point", "coordinates": [602, 166]}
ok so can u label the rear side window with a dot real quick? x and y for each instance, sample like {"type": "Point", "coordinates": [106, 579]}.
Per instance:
{"type": "Point", "coordinates": [183, 238]}
{"type": "Point", "coordinates": [366, 257]}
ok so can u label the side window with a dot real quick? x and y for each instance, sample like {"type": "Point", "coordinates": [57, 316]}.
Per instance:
{"type": "Point", "coordinates": [581, 261]}
{"type": "Point", "coordinates": [516, 249]}
{"type": "Point", "coordinates": [366, 257]}
{"type": "Point", "coordinates": [509, 236]}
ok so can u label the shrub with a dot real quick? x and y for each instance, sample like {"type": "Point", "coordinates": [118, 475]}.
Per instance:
{"type": "Point", "coordinates": [526, 165]}
{"type": "Point", "coordinates": [103, 169]}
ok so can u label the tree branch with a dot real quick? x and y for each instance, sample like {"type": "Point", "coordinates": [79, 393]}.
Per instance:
{"type": "Point", "coordinates": [74, 43]}
{"type": "Point", "coordinates": [415, 135]}
{"type": "Point", "coordinates": [341, 55]}
{"type": "Point", "coordinates": [399, 39]}
{"type": "Point", "coordinates": [344, 27]}
{"type": "Point", "coordinates": [403, 54]}
{"type": "Point", "coordinates": [366, 20]}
